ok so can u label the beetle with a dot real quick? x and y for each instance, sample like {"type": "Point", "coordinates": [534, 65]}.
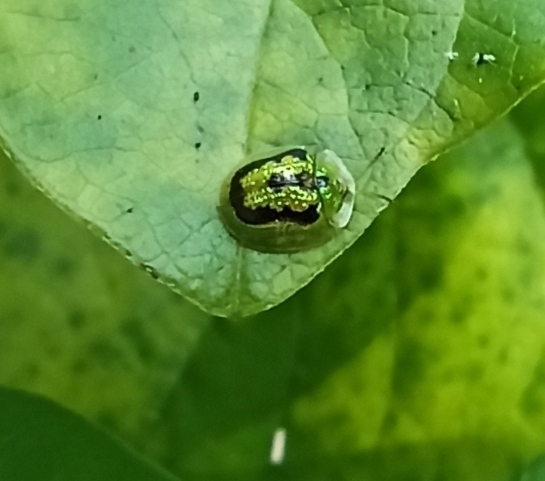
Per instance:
{"type": "Point", "coordinates": [288, 200]}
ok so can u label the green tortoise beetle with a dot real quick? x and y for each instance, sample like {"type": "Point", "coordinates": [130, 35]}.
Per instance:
{"type": "Point", "coordinates": [288, 200]}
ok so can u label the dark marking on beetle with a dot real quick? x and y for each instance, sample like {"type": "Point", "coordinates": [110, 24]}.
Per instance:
{"type": "Point", "coordinates": [308, 181]}
{"type": "Point", "coordinates": [196, 97]}
{"type": "Point", "coordinates": [303, 179]}
{"type": "Point", "coordinates": [276, 181]}
{"type": "Point", "coordinates": [198, 145]}
{"type": "Point", "coordinates": [322, 181]}
{"type": "Point", "coordinates": [266, 215]}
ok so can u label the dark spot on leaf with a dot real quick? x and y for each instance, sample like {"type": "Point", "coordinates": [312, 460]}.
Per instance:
{"type": "Point", "coordinates": [151, 271]}
{"type": "Point", "coordinates": [196, 96]}
{"type": "Point", "coordinates": [32, 371]}
{"type": "Point", "coordinates": [533, 399]}
{"type": "Point", "coordinates": [460, 310]}
{"type": "Point", "coordinates": [532, 402]}
{"type": "Point", "coordinates": [481, 273]}
{"type": "Point", "coordinates": [103, 353]}
{"type": "Point", "coordinates": [409, 366]}
{"type": "Point", "coordinates": [108, 420]}
{"type": "Point", "coordinates": [130, 210]}
{"type": "Point", "coordinates": [427, 315]}
{"type": "Point", "coordinates": [503, 356]}
{"type": "Point", "coordinates": [434, 32]}
{"type": "Point", "coordinates": [508, 294]}
{"type": "Point", "coordinates": [525, 247]}
{"type": "Point", "coordinates": [453, 205]}
{"type": "Point", "coordinates": [320, 80]}
{"type": "Point", "coordinates": [475, 372]}
{"type": "Point", "coordinates": [64, 267]}
{"type": "Point", "coordinates": [13, 189]}
{"type": "Point", "coordinates": [430, 272]}
{"type": "Point", "coordinates": [484, 341]}
{"type": "Point", "coordinates": [133, 329]}
{"type": "Point", "coordinates": [81, 366]}
{"type": "Point", "coordinates": [99, 117]}
{"type": "Point", "coordinates": [198, 145]}
{"type": "Point", "coordinates": [132, 49]}
{"type": "Point", "coordinates": [77, 319]}
{"type": "Point", "coordinates": [200, 129]}
{"type": "Point", "coordinates": [23, 244]}
{"type": "Point", "coordinates": [390, 421]}
{"type": "Point", "coordinates": [53, 352]}
{"type": "Point", "coordinates": [95, 77]}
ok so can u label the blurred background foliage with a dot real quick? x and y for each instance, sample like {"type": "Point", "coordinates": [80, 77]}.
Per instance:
{"type": "Point", "coordinates": [419, 354]}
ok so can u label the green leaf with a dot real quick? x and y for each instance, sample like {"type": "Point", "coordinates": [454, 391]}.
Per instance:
{"type": "Point", "coordinates": [418, 355]}
{"type": "Point", "coordinates": [535, 471]}
{"type": "Point", "coordinates": [79, 324]}
{"type": "Point", "coordinates": [39, 441]}
{"type": "Point", "coordinates": [99, 106]}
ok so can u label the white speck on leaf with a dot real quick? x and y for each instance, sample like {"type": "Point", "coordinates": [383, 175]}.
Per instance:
{"type": "Point", "coordinates": [278, 447]}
